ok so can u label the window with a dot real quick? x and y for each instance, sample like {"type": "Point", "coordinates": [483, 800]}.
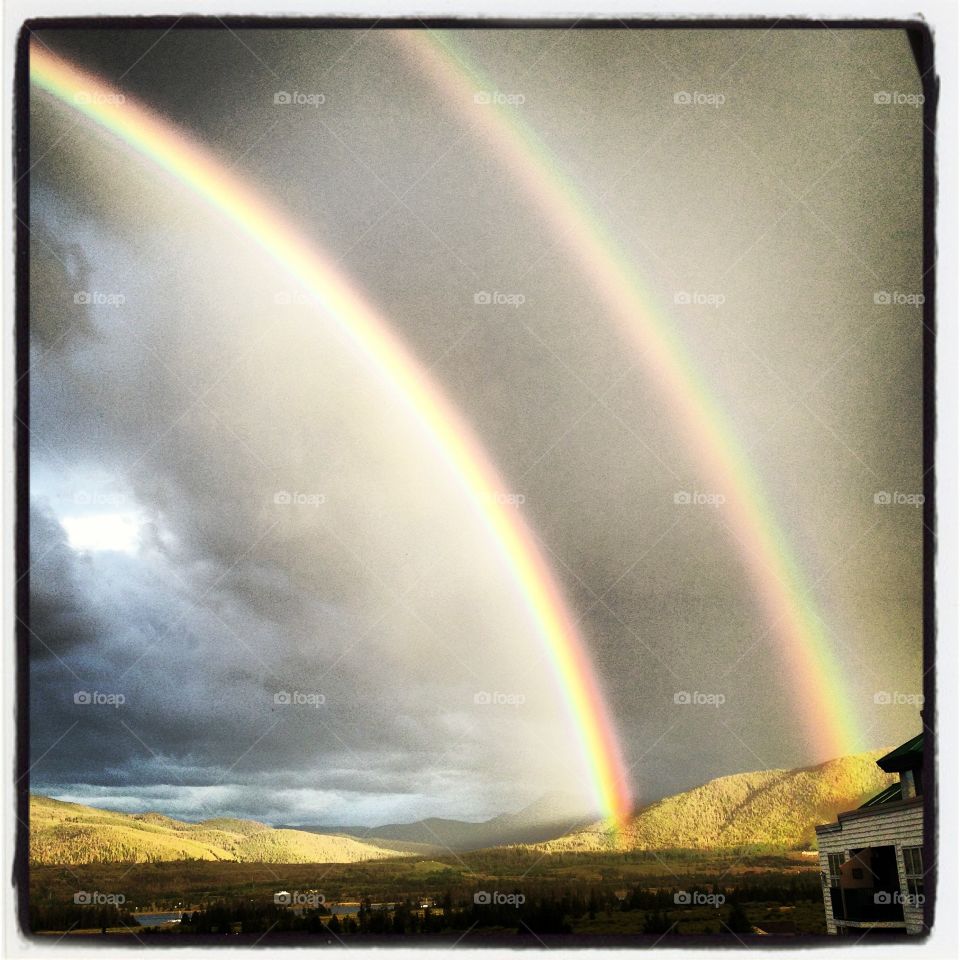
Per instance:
{"type": "Point", "coordinates": [911, 783]}
{"type": "Point", "coordinates": [833, 866]}
{"type": "Point", "coordinates": [913, 871]}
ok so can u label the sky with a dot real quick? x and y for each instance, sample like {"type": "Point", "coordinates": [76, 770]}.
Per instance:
{"type": "Point", "coordinates": [183, 389]}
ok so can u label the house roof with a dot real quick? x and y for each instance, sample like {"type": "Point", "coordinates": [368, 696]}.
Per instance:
{"type": "Point", "coordinates": [907, 756]}
{"type": "Point", "coordinates": [892, 793]}
{"type": "Point", "coordinates": [870, 809]}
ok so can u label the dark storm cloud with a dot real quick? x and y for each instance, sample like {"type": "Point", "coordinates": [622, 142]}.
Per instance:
{"type": "Point", "coordinates": [61, 615]}
{"type": "Point", "coordinates": [169, 693]}
{"type": "Point", "coordinates": [197, 400]}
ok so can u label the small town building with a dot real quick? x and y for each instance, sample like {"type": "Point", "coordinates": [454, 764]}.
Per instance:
{"type": "Point", "coordinates": [871, 859]}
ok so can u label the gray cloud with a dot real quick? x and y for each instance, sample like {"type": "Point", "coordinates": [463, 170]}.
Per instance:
{"type": "Point", "coordinates": [212, 388]}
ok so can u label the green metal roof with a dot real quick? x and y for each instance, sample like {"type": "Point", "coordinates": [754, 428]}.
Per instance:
{"type": "Point", "coordinates": [891, 794]}
{"type": "Point", "coordinates": [906, 756]}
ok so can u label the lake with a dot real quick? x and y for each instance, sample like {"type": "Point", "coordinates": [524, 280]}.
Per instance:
{"type": "Point", "coordinates": [155, 919]}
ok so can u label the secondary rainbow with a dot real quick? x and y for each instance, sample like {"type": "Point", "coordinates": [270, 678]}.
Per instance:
{"type": "Point", "coordinates": [445, 430]}
{"type": "Point", "coordinates": [821, 703]}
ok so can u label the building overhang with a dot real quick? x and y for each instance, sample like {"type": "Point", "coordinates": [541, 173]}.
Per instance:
{"type": "Point", "coordinates": [907, 756]}
{"type": "Point", "coordinates": [863, 813]}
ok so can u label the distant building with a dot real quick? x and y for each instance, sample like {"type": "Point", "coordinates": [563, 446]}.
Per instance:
{"type": "Point", "coordinates": [871, 859]}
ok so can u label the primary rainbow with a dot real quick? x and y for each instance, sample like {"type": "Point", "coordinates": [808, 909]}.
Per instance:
{"type": "Point", "coordinates": [821, 703]}
{"type": "Point", "coordinates": [449, 435]}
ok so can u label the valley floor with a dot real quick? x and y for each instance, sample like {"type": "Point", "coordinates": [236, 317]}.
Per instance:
{"type": "Point", "coordinates": [505, 892]}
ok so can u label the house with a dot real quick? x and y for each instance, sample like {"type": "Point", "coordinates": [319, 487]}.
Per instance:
{"type": "Point", "coordinates": [871, 859]}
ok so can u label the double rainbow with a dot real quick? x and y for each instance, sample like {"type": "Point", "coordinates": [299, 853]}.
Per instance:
{"type": "Point", "coordinates": [450, 437]}
{"type": "Point", "coordinates": [790, 613]}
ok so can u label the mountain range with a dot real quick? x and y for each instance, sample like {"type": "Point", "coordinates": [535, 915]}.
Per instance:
{"type": "Point", "coordinates": [552, 815]}
{"type": "Point", "coordinates": [69, 833]}
{"type": "Point", "coordinates": [765, 810]}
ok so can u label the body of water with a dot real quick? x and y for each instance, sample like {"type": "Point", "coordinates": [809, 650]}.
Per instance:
{"type": "Point", "coordinates": [344, 910]}
{"type": "Point", "coordinates": [155, 919]}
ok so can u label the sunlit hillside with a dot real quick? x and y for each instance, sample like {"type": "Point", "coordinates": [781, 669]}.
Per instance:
{"type": "Point", "coordinates": [766, 810]}
{"type": "Point", "coordinates": [68, 833]}
{"type": "Point", "coordinates": [770, 810]}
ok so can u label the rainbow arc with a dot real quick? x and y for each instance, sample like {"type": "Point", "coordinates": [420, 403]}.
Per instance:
{"type": "Point", "coordinates": [791, 616]}
{"type": "Point", "coordinates": [443, 427]}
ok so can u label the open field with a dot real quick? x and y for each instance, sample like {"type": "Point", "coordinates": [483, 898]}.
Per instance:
{"type": "Point", "coordinates": [580, 893]}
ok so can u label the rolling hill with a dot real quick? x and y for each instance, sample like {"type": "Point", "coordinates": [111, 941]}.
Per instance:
{"type": "Point", "coordinates": [68, 833]}
{"type": "Point", "coordinates": [763, 811]}
{"type": "Point", "coordinates": [767, 810]}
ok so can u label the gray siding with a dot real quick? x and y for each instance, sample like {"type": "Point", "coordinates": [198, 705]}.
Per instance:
{"type": "Point", "coordinates": [898, 827]}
